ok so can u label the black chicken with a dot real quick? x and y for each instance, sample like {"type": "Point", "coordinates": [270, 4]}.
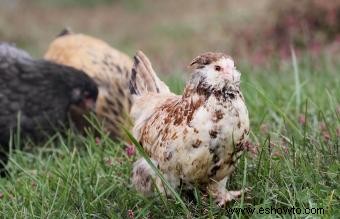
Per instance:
{"type": "Point", "coordinates": [35, 97]}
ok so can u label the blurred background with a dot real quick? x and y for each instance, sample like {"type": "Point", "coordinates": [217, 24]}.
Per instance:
{"type": "Point", "coordinates": [171, 33]}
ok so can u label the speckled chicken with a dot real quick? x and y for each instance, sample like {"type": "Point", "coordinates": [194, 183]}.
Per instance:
{"type": "Point", "coordinates": [35, 96]}
{"type": "Point", "coordinates": [108, 67]}
{"type": "Point", "coordinates": [195, 138]}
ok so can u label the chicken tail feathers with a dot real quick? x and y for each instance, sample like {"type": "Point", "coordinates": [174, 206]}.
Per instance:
{"type": "Point", "coordinates": [143, 78]}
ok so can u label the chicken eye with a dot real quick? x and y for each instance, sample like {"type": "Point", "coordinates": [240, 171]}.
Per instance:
{"type": "Point", "coordinates": [218, 68]}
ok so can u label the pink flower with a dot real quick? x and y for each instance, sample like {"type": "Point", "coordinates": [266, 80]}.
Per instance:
{"type": "Point", "coordinates": [131, 214]}
{"type": "Point", "coordinates": [302, 119]}
{"type": "Point", "coordinates": [251, 148]}
{"type": "Point", "coordinates": [130, 150]}
{"type": "Point", "coordinates": [98, 140]}
{"type": "Point", "coordinates": [326, 135]}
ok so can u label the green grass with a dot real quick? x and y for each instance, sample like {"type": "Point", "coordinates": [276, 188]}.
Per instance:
{"type": "Point", "coordinates": [297, 164]}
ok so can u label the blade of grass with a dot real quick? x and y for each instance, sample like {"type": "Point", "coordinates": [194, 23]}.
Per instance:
{"type": "Point", "coordinates": [296, 79]}
{"type": "Point", "coordinates": [290, 122]}
{"type": "Point", "coordinates": [243, 184]}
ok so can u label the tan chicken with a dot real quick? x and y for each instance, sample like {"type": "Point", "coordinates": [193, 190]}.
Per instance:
{"type": "Point", "coordinates": [107, 66]}
{"type": "Point", "coordinates": [195, 138]}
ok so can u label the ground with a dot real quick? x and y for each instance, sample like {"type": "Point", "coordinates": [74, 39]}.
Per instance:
{"type": "Point", "coordinates": [294, 106]}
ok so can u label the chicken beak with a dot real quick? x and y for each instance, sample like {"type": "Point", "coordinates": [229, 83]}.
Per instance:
{"type": "Point", "coordinates": [226, 75]}
{"type": "Point", "coordinates": [229, 73]}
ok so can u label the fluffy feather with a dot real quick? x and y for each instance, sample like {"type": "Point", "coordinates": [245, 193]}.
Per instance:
{"type": "Point", "coordinates": [104, 64]}
{"type": "Point", "coordinates": [37, 94]}
{"type": "Point", "coordinates": [197, 137]}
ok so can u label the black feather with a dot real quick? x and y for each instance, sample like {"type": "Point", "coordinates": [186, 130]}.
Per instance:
{"type": "Point", "coordinates": [36, 94]}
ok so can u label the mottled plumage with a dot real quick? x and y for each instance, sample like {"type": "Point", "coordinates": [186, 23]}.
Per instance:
{"type": "Point", "coordinates": [194, 138]}
{"type": "Point", "coordinates": [108, 67]}
{"type": "Point", "coordinates": [37, 94]}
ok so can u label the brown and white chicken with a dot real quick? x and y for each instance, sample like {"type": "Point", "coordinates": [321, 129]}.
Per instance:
{"type": "Point", "coordinates": [195, 138]}
{"type": "Point", "coordinates": [108, 67]}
